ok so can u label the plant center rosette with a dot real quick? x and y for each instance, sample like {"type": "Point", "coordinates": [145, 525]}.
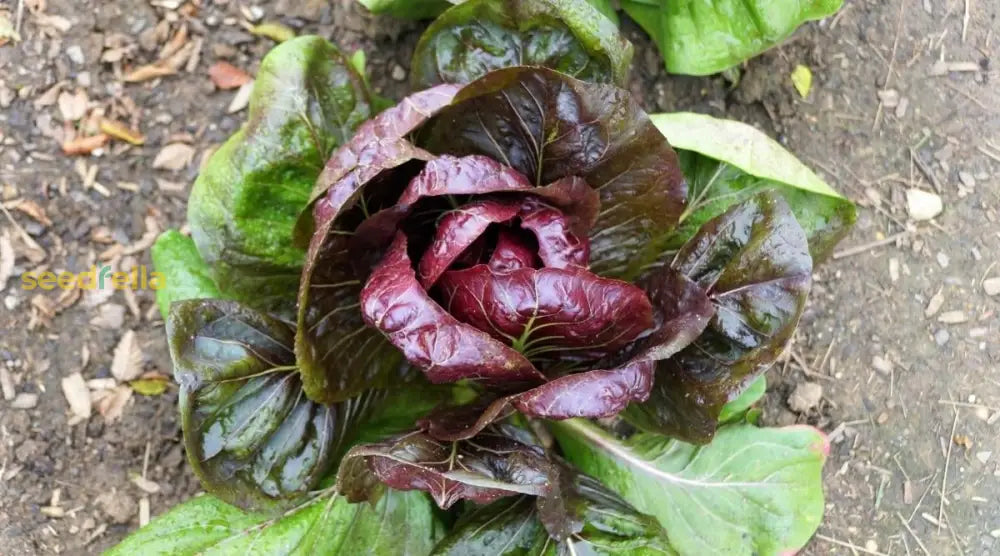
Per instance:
{"type": "Point", "coordinates": [508, 235]}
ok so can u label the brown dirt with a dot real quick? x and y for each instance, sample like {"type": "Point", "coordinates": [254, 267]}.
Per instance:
{"type": "Point", "coordinates": [893, 433]}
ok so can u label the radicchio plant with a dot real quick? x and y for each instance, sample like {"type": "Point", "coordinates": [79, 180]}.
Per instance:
{"type": "Point", "coordinates": [438, 299]}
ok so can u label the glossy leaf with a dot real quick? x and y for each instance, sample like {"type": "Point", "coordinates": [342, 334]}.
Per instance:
{"type": "Point", "coordinates": [549, 126]}
{"type": "Point", "coordinates": [478, 36]}
{"type": "Point", "coordinates": [754, 265]}
{"type": "Point", "coordinates": [457, 230]}
{"type": "Point", "coordinates": [591, 394]}
{"type": "Point", "coordinates": [751, 491]}
{"type": "Point", "coordinates": [492, 466]}
{"type": "Point", "coordinates": [582, 511]}
{"type": "Point", "coordinates": [702, 38]}
{"type": "Point", "coordinates": [549, 312]}
{"type": "Point", "coordinates": [401, 523]}
{"type": "Point", "coordinates": [339, 357]}
{"type": "Point", "coordinates": [185, 274]}
{"type": "Point", "coordinates": [507, 527]}
{"type": "Point", "coordinates": [727, 161]}
{"type": "Point", "coordinates": [395, 303]}
{"type": "Point", "coordinates": [307, 100]}
{"type": "Point", "coordinates": [251, 435]}
{"type": "Point", "coordinates": [738, 408]}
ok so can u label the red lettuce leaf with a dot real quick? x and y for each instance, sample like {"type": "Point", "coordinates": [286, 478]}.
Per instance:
{"type": "Point", "coordinates": [753, 263]}
{"type": "Point", "coordinates": [394, 303]}
{"type": "Point", "coordinates": [511, 252]}
{"type": "Point", "coordinates": [445, 175]}
{"type": "Point", "coordinates": [565, 311]}
{"type": "Point", "coordinates": [492, 466]}
{"type": "Point", "coordinates": [457, 231]}
{"type": "Point", "coordinates": [368, 145]}
{"type": "Point", "coordinates": [558, 247]}
{"type": "Point", "coordinates": [576, 199]}
{"type": "Point", "coordinates": [548, 126]}
{"type": "Point", "coordinates": [592, 394]}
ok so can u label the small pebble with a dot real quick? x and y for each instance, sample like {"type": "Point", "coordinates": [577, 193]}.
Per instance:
{"type": "Point", "coordinates": [923, 205]}
{"type": "Point", "coordinates": [398, 73]}
{"type": "Point", "coordinates": [871, 546]}
{"type": "Point", "coordinates": [983, 457]}
{"type": "Point", "coordinates": [967, 179]}
{"type": "Point", "coordinates": [901, 108]}
{"type": "Point", "coordinates": [943, 260]}
{"type": "Point", "coordinates": [992, 286]}
{"type": "Point", "coordinates": [24, 400]}
{"type": "Point", "coordinates": [75, 54]}
{"type": "Point", "coordinates": [941, 337]}
{"type": "Point", "coordinates": [805, 397]}
{"type": "Point", "coordinates": [894, 269]}
{"type": "Point", "coordinates": [953, 317]}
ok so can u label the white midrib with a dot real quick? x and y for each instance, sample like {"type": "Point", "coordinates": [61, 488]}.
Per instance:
{"type": "Point", "coordinates": [631, 459]}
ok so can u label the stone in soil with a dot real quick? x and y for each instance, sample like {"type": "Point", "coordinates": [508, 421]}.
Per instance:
{"type": "Point", "coordinates": [805, 397]}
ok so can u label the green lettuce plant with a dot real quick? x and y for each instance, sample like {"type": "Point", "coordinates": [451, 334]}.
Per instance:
{"type": "Point", "coordinates": [511, 314]}
{"type": "Point", "coordinates": [695, 37]}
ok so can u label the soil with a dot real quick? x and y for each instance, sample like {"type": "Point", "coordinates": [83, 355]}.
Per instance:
{"type": "Point", "coordinates": [910, 395]}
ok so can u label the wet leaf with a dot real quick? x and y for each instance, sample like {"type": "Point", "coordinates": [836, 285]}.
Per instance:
{"type": "Point", "coordinates": [306, 101]}
{"type": "Point", "coordinates": [185, 274]}
{"type": "Point", "coordinates": [478, 36]}
{"type": "Point", "coordinates": [252, 436]}
{"type": "Point", "coordinates": [727, 161]}
{"type": "Point", "coordinates": [549, 312]}
{"type": "Point", "coordinates": [401, 523]}
{"type": "Point", "coordinates": [446, 350]}
{"type": "Point", "coordinates": [507, 527]}
{"type": "Point", "coordinates": [587, 515]}
{"type": "Point", "coordinates": [751, 491]}
{"type": "Point", "coordinates": [698, 38]}
{"type": "Point", "coordinates": [548, 126]}
{"type": "Point", "coordinates": [407, 9]}
{"type": "Point", "coordinates": [753, 264]}
{"type": "Point", "coordinates": [492, 466]}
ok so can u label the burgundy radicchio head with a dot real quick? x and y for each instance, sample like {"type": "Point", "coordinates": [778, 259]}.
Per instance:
{"type": "Point", "coordinates": [508, 234]}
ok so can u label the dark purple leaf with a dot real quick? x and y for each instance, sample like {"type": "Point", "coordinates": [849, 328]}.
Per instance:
{"type": "Point", "coordinates": [511, 252]}
{"type": "Point", "coordinates": [559, 311]}
{"type": "Point", "coordinates": [558, 247]}
{"type": "Point", "coordinates": [368, 144]}
{"type": "Point", "coordinates": [548, 126]}
{"type": "Point", "coordinates": [491, 466]}
{"type": "Point", "coordinates": [753, 263]}
{"type": "Point", "coordinates": [590, 394]}
{"type": "Point", "coordinates": [457, 231]}
{"type": "Point", "coordinates": [576, 199]}
{"type": "Point", "coordinates": [442, 176]}
{"type": "Point", "coordinates": [394, 303]}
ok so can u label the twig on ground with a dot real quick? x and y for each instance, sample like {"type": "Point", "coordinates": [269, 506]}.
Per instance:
{"type": "Point", "coordinates": [926, 170]}
{"type": "Point", "coordinates": [864, 248]}
{"type": "Point", "coordinates": [920, 543]}
{"type": "Point", "coordinates": [965, 20]}
{"type": "Point", "coordinates": [947, 463]}
{"type": "Point", "coordinates": [850, 545]}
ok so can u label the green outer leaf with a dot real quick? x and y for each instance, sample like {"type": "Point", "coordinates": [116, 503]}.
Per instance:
{"type": "Point", "coordinates": [751, 491]}
{"type": "Point", "coordinates": [606, 8]}
{"type": "Point", "coordinates": [521, 32]}
{"type": "Point", "coordinates": [738, 407]}
{"type": "Point", "coordinates": [400, 523]}
{"type": "Point", "coordinates": [407, 9]}
{"type": "Point", "coordinates": [307, 100]}
{"type": "Point", "coordinates": [754, 162]}
{"type": "Point", "coordinates": [701, 38]}
{"type": "Point", "coordinates": [185, 274]}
